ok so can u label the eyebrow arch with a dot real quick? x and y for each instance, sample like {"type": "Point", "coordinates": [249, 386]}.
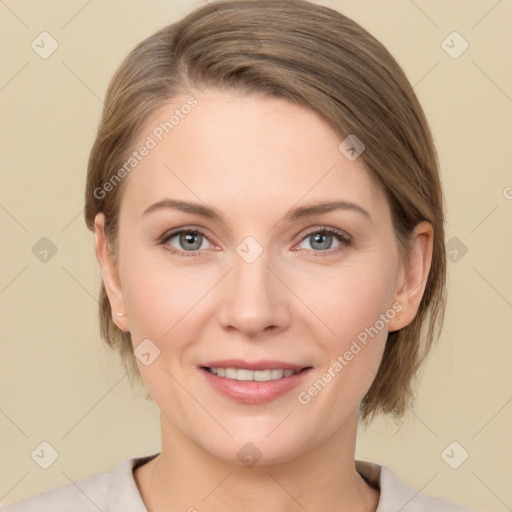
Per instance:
{"type": "Point", "coordinates": [296, 214]}
{"type": "Point", "coordinates": [315, 209]}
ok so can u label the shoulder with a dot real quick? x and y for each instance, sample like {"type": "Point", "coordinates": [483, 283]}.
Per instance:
{"type": "Point", "coordinates": [114, 491]}
{"type": "Point", "coordinates": [89, 494]}
{"type": "Point", "coordinates": [397, 495]}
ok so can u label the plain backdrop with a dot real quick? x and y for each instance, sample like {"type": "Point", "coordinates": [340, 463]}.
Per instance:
{"type": "Point", "coordinates": [59, 385]}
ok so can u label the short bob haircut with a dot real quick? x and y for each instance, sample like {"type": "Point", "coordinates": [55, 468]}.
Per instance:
{"type": "Point", "coordinates": [315, 57]}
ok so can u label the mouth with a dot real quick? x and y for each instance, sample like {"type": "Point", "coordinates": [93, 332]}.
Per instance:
{"type": "Point", "coordinates": [242, 374]}
{"type": "Point", "coordinates": [256, 382]}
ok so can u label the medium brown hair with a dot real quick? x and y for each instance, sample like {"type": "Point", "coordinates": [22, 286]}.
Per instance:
{"type": "Point", "coordinates": [314, 57]}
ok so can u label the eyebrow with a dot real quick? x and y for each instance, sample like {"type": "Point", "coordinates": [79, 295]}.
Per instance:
{"type": "Point", "coordinates": [295, 214]}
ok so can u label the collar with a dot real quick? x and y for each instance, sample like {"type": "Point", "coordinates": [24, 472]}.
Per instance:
{"type": "Point", "coordinates": [124, 495]}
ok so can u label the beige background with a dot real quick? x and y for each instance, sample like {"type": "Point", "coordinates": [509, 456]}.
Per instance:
{"type": "Point", "coordinates": [58, 383]}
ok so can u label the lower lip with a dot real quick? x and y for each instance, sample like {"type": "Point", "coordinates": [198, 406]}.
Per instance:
{"type": "Point", "coordinates": [254, 392]}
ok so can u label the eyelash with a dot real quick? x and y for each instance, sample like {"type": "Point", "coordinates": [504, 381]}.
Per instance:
{"type": "Point", "coordinates": [346, 241]}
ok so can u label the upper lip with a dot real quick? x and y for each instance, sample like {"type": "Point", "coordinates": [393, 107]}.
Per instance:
{"type": "Point", "coordinates": [254, 365]}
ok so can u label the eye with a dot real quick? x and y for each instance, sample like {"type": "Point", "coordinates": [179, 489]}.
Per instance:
{"type": "Point", "coordinates": [188, 241]}
{"type": "Point", "coordinates": [321, 240]}
{"type": "Point", "coordinates": [192, 242]}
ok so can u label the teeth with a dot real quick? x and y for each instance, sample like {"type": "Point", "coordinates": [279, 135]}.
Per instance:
{"type": "Point", "coordinates": [231, 373]}
{"type": "Point", "coordinates": [264, 375]}
{"type": "Point", "coordinates": [276, 374]}
{"type": "Point", "coordinates": [250, 375]}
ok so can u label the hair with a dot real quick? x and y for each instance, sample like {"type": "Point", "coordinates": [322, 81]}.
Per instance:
{"type": "Point", "coordinates": [315, 57]}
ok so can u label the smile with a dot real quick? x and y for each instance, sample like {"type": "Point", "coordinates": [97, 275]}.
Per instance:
{"type": "Point", "coordinates": [252, 375]}
{"type": "Point", "coordinates": [253, 382]}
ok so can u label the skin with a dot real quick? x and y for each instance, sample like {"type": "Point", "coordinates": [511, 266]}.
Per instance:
{"type": "Point", "coordinates": [253, 159]}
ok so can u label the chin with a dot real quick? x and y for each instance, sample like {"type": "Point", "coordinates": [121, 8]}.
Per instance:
{"type": "Point", "coordinates": [259, 452]}
{"type": "Point", "coordinates": [263, 444]}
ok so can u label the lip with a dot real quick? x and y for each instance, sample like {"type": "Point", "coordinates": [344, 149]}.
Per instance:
{"type": "Point", "coordinates": [254, 365]}
{"type": "Point", "coordinates": [254, 392]}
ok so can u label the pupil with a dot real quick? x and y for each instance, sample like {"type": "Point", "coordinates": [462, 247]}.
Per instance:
{"type": "Point", "coordinates": [189, 240]}
{"type": "Point", "coordinates": [321, 238]}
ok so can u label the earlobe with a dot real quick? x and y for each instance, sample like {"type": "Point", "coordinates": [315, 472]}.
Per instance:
{"type": "Point", "coordinates": [109, 272]}
{"type": "Point", "coordinates": [413, 276]}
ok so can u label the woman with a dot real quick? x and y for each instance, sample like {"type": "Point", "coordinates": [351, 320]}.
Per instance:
{"type": "Point", "coordinates": [268, 216]}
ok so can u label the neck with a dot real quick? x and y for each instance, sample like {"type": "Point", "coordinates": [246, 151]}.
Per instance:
{"type": "Point", "coordinates": [186, 477]}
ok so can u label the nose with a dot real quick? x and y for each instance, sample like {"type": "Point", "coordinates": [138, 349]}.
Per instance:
{"type": "Point", "coordinates": [253, 299]}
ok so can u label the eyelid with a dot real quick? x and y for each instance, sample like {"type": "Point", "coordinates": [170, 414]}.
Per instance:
{"type": "Point", "coordinates": [178, 231]}
{"type": "Point", "coordinates": [326, 229]}
{"type": "Point", "coordinates": [343, 237]}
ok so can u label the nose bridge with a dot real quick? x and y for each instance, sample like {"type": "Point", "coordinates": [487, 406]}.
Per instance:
{"type": "Point", "coordinates": [253, 298]}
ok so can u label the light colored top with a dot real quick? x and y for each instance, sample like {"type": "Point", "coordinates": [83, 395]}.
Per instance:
{"type": "Point", "coordinates": [117, 491]}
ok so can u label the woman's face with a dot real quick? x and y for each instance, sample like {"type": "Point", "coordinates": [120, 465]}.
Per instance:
{"type": "Point", "coordinates": [258, 280]}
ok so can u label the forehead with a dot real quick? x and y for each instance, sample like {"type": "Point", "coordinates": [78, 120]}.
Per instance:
{"type": "Point", "coordinates": [244, 152]}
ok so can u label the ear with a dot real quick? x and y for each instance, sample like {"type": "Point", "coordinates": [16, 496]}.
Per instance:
{"type": "Point", "coordinates": [109, 272]}
{"type": "Point", "coordinates": [413, 276]}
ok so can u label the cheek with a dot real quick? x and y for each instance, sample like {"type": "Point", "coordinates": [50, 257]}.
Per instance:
{"type": "Point", "coordinates": [351, 299]}
{"type": "Point", "coordinates": [167, 305]}
{"type": "Point", "coordinates": [159, 295]}
{"type": "Point", "coordinates": [354, 304]}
